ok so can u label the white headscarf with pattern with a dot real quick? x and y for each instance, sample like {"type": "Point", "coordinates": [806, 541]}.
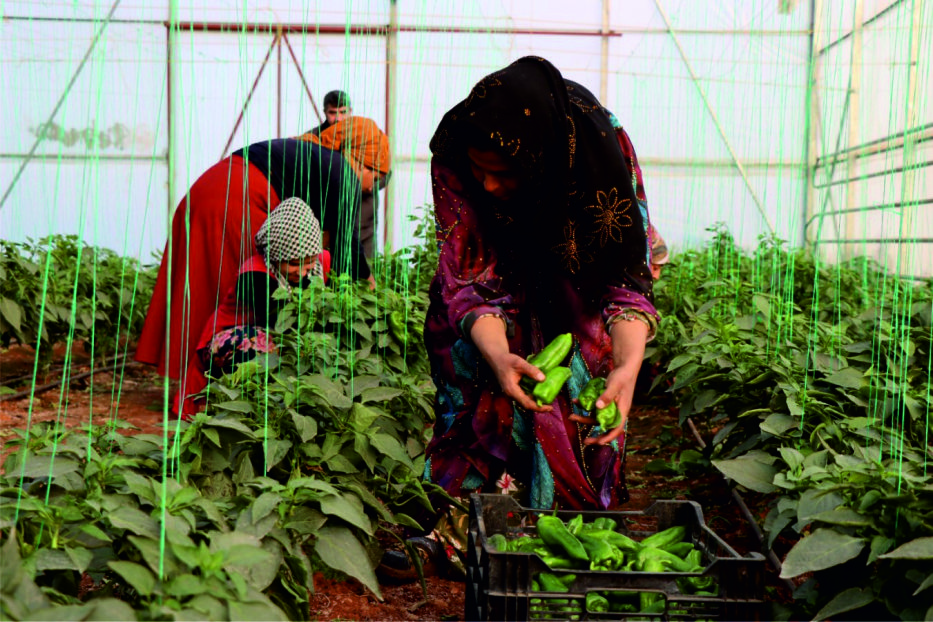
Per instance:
{"type": "Point", "coordinates": [291, 231]}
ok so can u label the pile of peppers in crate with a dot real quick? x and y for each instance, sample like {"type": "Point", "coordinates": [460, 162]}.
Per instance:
{"type": "Point", "coordinates": [549, 362]}
{"type": "Point", "coordinates": [597, 546]}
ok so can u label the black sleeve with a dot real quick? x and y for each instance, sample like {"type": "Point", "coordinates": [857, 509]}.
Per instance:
{"type": "Point", "coordinates": [341, 210]}
{"type": "Point", "coordinates": [256, 288]}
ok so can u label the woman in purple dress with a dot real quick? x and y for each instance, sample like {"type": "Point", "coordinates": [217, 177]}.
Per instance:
{"type": "Point", "coordinates": [541, 227]}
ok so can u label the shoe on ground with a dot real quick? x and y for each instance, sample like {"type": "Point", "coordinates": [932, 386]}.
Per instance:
{"type": "Point", "coordinates": [397, 566]}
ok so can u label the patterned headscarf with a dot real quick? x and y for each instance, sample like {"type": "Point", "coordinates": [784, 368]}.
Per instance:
{"type": "Point", "coordinates": [290, 232]}
{"type": "Point", "coordinates": [361, 142]}
{"type": "Point", "coordinates": [576, 211]}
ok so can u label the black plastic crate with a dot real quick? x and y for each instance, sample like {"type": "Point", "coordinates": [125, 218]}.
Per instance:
{"type": "Point", "coordinates": [499, 584]}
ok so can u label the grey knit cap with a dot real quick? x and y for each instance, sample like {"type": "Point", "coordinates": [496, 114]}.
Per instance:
{"type": "Point", "coordinates": [291, 231]}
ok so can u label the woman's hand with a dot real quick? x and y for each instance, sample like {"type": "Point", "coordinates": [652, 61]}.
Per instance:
{"type": "Point", "coordinates": [509, 369]}
{"type": "Point", "coordinates": [628, 350]}
{"type": "Point", "coordinates": [488, 334]}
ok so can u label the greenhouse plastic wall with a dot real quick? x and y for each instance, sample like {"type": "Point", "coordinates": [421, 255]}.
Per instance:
{"type": "Point", "coordinates": [717, 99]}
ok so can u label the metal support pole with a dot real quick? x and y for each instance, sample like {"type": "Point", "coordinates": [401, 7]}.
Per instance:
{"type": "Point", "coordinates": [388, 211]}
{"type": "Point", "coordinates": [278, 84]}
{"type": "Point", "coordinates": [855, 85]}
{"type": "Point", "coordinates": [301, 74]}
{"type": "Point", "coordinates": [604, 56]}
{"type": "Point", "coordinates": [61, 100]}
{"type": "Point", "coordinates": [909, 153]}
{"type": "Point", "coordinates": [169, 128]}
{"type": "Point", "coordinates": [712, 113]}
{"type": "Point", "coordinates": [813, 115]}
{"type": "Point", "coordinates": [252, 90]}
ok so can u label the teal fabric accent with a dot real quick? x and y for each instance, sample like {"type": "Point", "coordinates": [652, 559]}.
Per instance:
{"type": "Point", "coordinates": [473, 481]}
{"type": "Point", "coordinates": [522, 430]}
{"type": "Point", "coordinates": [465, 357]}
{"type": "Point", "coordinates": [580, 375]}
{"type": "Point", "coordinates": [449, 400]}
{"type": "Point", "coordinates": [542, 481]}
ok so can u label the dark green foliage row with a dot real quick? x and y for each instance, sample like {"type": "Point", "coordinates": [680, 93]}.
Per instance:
{"type": "Point", "coordinates": [59, 290]}
{"type": "Point", "coordinates": [303, 461]}
{"type": "Point", "coordinates": [816, 379]}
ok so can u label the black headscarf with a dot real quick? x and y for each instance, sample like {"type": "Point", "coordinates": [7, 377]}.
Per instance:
{"type": "Point", "coordinates": [577, 202]}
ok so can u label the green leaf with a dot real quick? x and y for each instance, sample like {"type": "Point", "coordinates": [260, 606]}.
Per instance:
{"type": "Point", "coordinates": [361, 383]}
{"type": "Point", "coordinates": [879, 546]}
{"type": "Point", "coordinates": [679, 361]}
{"type": "Point", "coordinates": [348, 507]}
{"type": "Point", "coordinates": [339, 549]}
{"type": "Point", "coordinates": [48, 466]}
{"type": "Point", "coordinates": [305, 426]}
{"type": "Point", "coordinates": [849, 600]}
{"type": "Point", "coordinates": [778, 424]}
{"type": "Point", "coordinates": [137, 576]}
{"type": "Point", "coordinates": [237, 406]}
{"type": "Point", "coordinates": [749, 472]}
{"type": "Point", "coordinates": [391, 447]}
{"type": "Point", "coordinates": [848, 377]}
{"type": "Point", "coordinates": [328, 389]}
{"type": "Point", "coordinates": [362, 417]}
{"type": "Point", "coordinates": [60, 559]}
{"type": "Point", "coordinates": [762, 304]}
{"type": "Point", "coordinates": [222, 421]}
{"type": "Point", "coordinates": [792, 457]}
{"type": "Point", "coordinates": [814, 500]}
{"type": "Point", "coordinates": [822, 549]}
{"type": "Point", "coordinates": [843, 516]}
{"type": "Point", "coordinates": [919, 548]}
{"type": "Point", "coordinates": [379, 394]}
{"type": "Point", "coordinates": [135, 521]}
{"type": "Point", "coordinates": [264, 504]}
{"type": "Point", "coordinates": [276, 449]}
{"type": "Point", "coordinates": [11, 313]}
{"type": "Point", "coordinates": [926, 584]}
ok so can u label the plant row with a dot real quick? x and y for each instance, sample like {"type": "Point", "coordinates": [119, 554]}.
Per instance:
{"type": "Point", "coordinates": [60, 290]}
{"type": "Point", "coordinates": [815, 380]}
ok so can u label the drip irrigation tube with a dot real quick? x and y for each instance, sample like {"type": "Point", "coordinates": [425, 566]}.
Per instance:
{"type": "Point", "coordinates": [52, 385]}
{"type": "Point", "coordinates": [759, 535]}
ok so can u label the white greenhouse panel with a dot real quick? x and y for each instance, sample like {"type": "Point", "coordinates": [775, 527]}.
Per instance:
{"type": "Point", "coordinates": [117, 205]}
{"type": "Point", "coordinates": [116, 106]}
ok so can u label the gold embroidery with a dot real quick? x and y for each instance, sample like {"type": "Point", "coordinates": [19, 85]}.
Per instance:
{"type": "Point", "coordinates": [572, 142]}
{"type": "Point", "coordinates": [527, 112]}
{"type": "Point", "coordinates": [571, 252]}
{"type": "Point", "coordinates": [609, 219]}
{"type": "Point", "coordinates": [514, 145]}
{"type": "Point", "coordinates": [482, 88]}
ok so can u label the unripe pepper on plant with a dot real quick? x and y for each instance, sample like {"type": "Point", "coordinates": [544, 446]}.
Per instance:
{"type": "Point", "coordinates": [397, 327]}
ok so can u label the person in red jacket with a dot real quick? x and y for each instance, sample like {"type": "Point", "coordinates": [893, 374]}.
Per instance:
{"type": "Point", "coordinates": [289, 255]}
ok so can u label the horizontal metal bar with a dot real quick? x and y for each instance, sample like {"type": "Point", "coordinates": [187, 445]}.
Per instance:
{"type": "Point", "coordinates": [674, 162]}
{"type": "Point", "coordinates": [78, 157]}
{"type": "Point", "coordinates": [874, 146]}
{"type": "Point", "coordinates": [878, 241]}
{"type": "Point", "coordinates": [878, 174]}
{"type": "Point", "coordinates": [867, 22]}
{"type": "Point", "coordinates": [382, 29]}
{"type": "Point", "coordinates": [869, 208]}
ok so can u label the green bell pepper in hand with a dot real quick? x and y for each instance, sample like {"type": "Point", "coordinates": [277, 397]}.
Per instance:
{"type": "Point", "coordinates": [546, 392]}
{"type": "Point", "coordinates": [608, 417]}
{"type": "Point", "coordinates": [553, 354]}
{"type": "Point", "coordinates": [591, 392]}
